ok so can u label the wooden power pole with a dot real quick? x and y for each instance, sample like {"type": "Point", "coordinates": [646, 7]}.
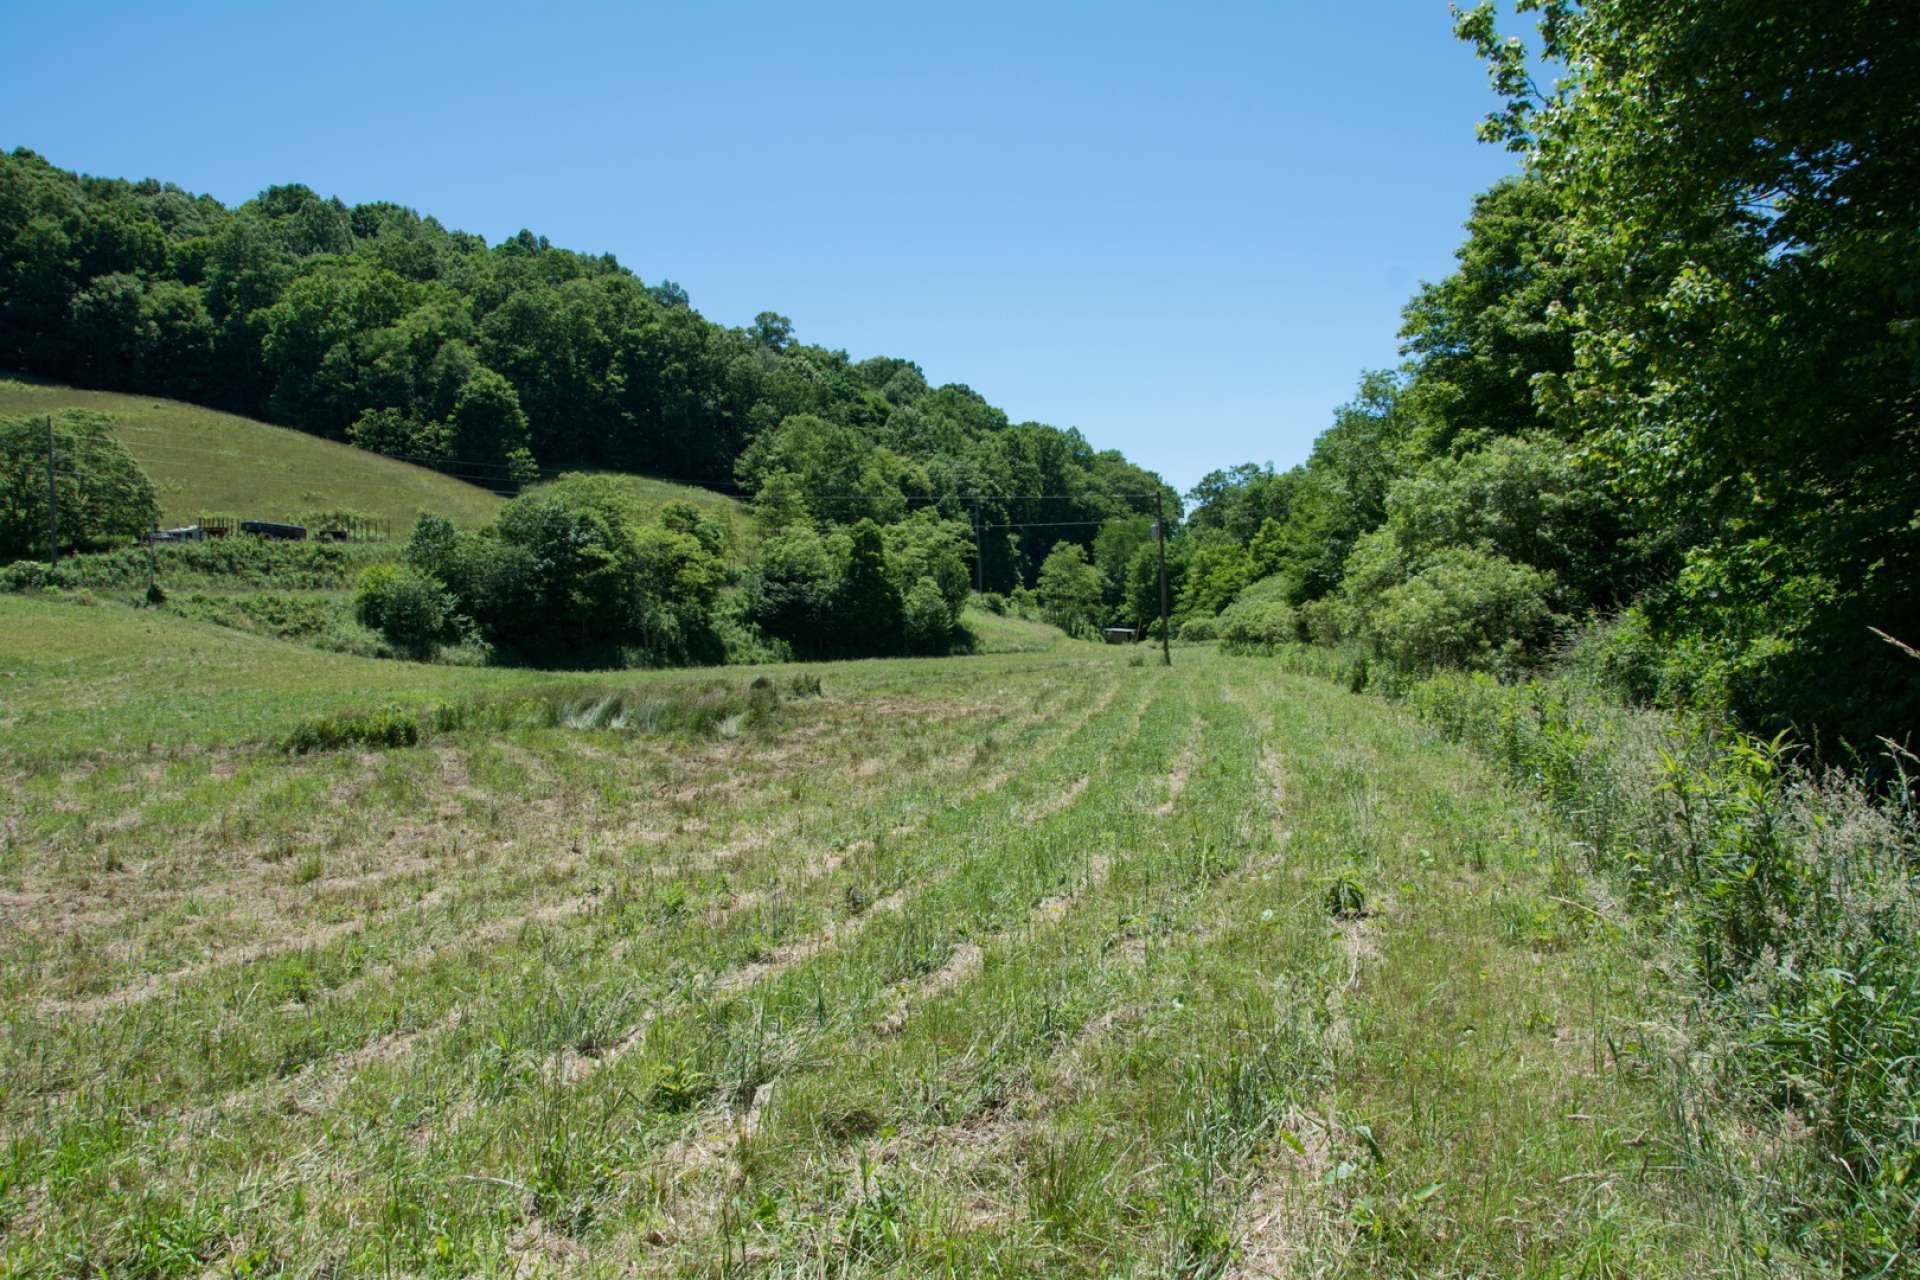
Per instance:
{"type": "Point", "coordinates": [1160, 536]}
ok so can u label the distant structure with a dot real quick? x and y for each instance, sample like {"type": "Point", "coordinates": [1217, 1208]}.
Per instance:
{"type": "Point", "coordinates": [186, 533]}
{"type": "Point", "coordinates": [274, 530]}
{"type": "Point", "coordinates": [1117, 635]}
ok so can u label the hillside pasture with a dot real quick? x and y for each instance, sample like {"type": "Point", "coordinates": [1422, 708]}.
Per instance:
{"type": "Point", "coordinates": [203, 461]}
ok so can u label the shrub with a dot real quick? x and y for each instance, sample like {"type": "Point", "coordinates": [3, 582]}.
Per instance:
{"type": "Point", "coordinates": [1468, 608]}
{"type": "Point", "coordinates": [1257, 626]}
{"type": "Point", "coordinates": [1619, 659]}
{"type": "Point", "coordinates": [1791, 895]}
{"type": "Point", "coordinates": [222, 563]}
{"type": "Point", "coordinates": [38, 575]}
{"type": "Point", "coordinates": [1260, 620]}
{"type": "Point", "coordinates": [1199, 630]}
{"type": "Point", "coordinates": [391, 727]}
{"type": "Point", "coordinates": [411, 610]}
{"type": "Point", "coordinates": [925, 617]}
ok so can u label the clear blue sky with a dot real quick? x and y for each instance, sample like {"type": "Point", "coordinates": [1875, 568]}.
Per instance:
{"type": "Point", "coordinates": [1184, 229]}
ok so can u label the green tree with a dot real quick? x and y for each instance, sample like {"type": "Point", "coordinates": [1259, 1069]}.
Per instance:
{"type": "Point", "coordinates": [926, 617]}
{"type": "Point", "coordinates": [1069, 589]}
{"type": "Point", "coordinates": [1739, 196]}
{"type": "Point", "coordinates": [866, 612]}
{"type": "Point", "coordinates": [487, 422]}
{"type": "Point", "coordinates": [102, 495]}
{"type": "Point", "coordinates": [792, 588]}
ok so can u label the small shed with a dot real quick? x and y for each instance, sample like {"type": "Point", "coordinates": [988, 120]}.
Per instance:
{"type": "Point", "coordinates": [1117, 635]}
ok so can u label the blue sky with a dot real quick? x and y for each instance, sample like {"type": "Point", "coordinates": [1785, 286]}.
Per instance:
{"type": "Point", "coordinates": [1184, 229]}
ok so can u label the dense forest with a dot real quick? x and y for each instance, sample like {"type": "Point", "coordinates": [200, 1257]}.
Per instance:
{"type": "Point", "coordinates": [376, 325]}
{"type": "Point", "coordinates": [1673, 383]}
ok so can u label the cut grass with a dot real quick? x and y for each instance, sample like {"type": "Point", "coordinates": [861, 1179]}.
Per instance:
{"type": "Point", "coordinates": [1021, 964]}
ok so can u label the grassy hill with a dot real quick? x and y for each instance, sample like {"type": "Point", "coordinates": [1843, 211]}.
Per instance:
{"type": "Point", "coordinates": [645, 495]}
{"type": "Point", "coordinates": [203, 460]}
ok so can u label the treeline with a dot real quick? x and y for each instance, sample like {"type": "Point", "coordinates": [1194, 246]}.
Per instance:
{"type": "Point", "coordinates": [1673, 384]}
{"type": "Point", "coordinates": [373, 324]}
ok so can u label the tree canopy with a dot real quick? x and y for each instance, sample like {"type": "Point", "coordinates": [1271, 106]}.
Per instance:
{"type": "Point", "coordinates": [1673, 373]}
{"type": "Point", "coordinates": [374, 324]}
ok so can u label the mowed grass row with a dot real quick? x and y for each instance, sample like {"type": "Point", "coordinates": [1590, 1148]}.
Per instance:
{"type": "Point", "coordinates": [159, 867]}
{"type": "Point", "coordinates": [1197, 1070]}
{"type": "Point", "coordinates": [1024, 965]}
{"type": "Point", "coordinates": [184, 1035]}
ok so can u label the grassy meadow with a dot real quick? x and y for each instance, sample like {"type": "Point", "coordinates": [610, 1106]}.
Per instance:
{"type": "Point", "coordinates": [205, 461]}
{"type": "Point", "coordinates": [1029, 963]}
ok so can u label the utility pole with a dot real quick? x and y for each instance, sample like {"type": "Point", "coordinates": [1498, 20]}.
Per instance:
{"type": "Point", "coordinates": [53, 504]}
{"type": "Point", "coordinates": [1160, 536]}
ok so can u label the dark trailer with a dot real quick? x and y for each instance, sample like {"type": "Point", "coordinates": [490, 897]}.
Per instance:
{"type": "Point", "coordinates": [279, 532]}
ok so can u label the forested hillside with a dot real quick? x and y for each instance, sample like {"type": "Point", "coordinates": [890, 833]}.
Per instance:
{"type": "Point", "coordinates": [377, 325]}
{"type": "Point", "coordinates": [1674, 382]}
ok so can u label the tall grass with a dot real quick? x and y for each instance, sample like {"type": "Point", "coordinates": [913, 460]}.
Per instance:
{"type": "Point", "coordinates": [1792, 895]}
{"type": "Point", "coordinates": [712, 709]}
{"type": "Point", "coordinates": [247, 562]}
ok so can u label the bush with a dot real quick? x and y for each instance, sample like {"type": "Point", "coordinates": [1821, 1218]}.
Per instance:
{"type": "Point", "coordinates": [1257, 627]}
{"type": "Point", "coordinates": [411, 610]}
{"type": "Point", "coordinates": [1619, 659]}
{"type": "Point", "coordinates": [391, 727]}
{"type": "Point", "coordinates": [1260, 620]}
{"type": "Point", "coordinates": [219, 563]}
{"type": "Point", "coordinates": [38, 575]}
{"type": "Point", "coordinates": [1468, 609]}
{"type": "Point", "coordinates": [926, 618]}
{"type": "Point", "coordinates": [1199, 630]}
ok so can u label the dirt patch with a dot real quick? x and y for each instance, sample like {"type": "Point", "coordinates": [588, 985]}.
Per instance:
{"type": "Point", "coordinates": [1049, 910]}
{"type": "Point", "coordinates": [963, 963]}
{"type": "Point", "coordinates": [1176, 782]}
{"type": "Point", "coordinates": [1046, 809]}
{"type": "Point", "coordinates": [1281, 1215]}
